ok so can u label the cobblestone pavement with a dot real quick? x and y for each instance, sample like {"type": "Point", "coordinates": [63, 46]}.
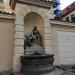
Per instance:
{"type": "Point", "coordinates": [55, 72]}
{"type": "Point", "coordinates": [60, 72]}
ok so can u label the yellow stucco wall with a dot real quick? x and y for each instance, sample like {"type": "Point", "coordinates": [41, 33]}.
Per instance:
{"type": "Point", "coordinates": [6, 45]}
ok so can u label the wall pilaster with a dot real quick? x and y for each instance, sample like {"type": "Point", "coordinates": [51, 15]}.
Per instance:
{"type": "Point", "coordinates": [21, 12]}
{"type": "Point", "coordinates": [48, 36]}
{"type": "Point", "coordinates": [19, 42]}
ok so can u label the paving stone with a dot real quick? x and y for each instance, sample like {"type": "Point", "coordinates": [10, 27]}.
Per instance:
{"type": "Point", "coordinates": [5, 73]}
{"type": "Point", "coordinates": [68, 73]}
{"type": "Point", "coordinates": [55, 72]}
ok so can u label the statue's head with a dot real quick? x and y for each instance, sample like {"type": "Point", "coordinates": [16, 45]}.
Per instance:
{"type": "Point", "coordinates": [35, 27]}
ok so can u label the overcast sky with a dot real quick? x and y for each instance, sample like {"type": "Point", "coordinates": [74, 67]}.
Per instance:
{"type": "Point", "coordinates": [65, 3]}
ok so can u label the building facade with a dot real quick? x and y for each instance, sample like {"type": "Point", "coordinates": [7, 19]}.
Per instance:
{"type": "Point", "coordinates": [58, 36]}
{"type": "Point", "coordinates": [68, 14]}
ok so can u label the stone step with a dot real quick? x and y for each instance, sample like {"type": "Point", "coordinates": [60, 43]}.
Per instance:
{"type": "Point", "coordinates": [33, 51]}
{"type": "Point", "coordinates": [19, 73]}
{"type": "Point", "coordinates": [36, 47]}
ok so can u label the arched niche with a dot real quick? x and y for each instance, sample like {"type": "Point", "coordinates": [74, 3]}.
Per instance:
{"type": "Point", "coordinates": [33, 19]}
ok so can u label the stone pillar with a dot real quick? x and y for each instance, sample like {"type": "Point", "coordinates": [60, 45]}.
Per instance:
{"type": "Point", "coordinates": [47, 36]}
{"type": "Point", "coordinates": [19, 42]}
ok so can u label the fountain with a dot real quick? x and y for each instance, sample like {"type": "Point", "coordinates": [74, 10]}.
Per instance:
{"type": "Point", "coordinates": [36, 62]}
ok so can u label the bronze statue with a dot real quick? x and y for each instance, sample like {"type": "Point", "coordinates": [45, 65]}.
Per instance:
{"type": "Point", "coordinates": [34, 37]}
{"type": "Point", "coordinates": [27, 42]}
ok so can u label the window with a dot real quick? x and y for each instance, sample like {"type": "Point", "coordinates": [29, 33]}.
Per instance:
{"type": "Point", "coordinates": [73, 18]}
{"type": "Point", "coordinates": [67, 19]}
{"type": "Point", "coordinates": [1, 1]}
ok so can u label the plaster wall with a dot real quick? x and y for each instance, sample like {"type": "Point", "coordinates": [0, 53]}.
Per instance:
{"type": "Point", "coordinates": [63, 43]}
{"type": "Point", "coordinates": [6, 45]}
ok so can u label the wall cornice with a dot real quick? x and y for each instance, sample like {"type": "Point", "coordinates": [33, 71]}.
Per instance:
{"type": "Point", "coordinates": [40, 3]}
{"type": "Point", "coordinates": [7, 17]}
{"type": "Point", "coordinates": [61, 23]}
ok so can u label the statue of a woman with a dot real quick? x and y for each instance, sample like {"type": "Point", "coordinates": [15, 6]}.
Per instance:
{"type": "Point", "coordinates": [36, 36]}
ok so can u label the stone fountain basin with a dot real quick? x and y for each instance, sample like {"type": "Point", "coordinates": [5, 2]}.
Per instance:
{"type": "Point", "coordinates": [37, 64]}
{"type": "Point", "coordinates": [37, 59]}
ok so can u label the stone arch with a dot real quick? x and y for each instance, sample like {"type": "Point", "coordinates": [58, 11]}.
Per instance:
{"type": "Point", "coordinates": [21, 12]}
{"type": "Point", "coordinates": [34, 19]}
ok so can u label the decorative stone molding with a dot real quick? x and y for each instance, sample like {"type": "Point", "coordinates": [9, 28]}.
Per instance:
{"type": "Point", "coordinates": [7, 17]}
{"type": "Point", "coordinates": [62, 23]}
{"type": "Point", "coordinates": [40, 3]}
